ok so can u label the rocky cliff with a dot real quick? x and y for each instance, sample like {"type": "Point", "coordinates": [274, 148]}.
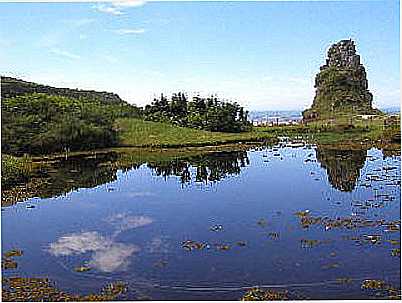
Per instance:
{"type": "Point", "coordinates": [341, 85]}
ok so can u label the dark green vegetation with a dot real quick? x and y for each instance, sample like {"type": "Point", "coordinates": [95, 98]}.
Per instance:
{"type": "Point", "coordinates": [42, 124]}
{"type": "Point", "coordinates": [210, 113]}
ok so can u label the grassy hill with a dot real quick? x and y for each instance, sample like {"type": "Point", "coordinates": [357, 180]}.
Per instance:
{"type": "Point", "coordinates": [12, 87]}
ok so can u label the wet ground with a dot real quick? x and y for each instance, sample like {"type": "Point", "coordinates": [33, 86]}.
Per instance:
{"type": "Point", "coordinates": [309, 222]}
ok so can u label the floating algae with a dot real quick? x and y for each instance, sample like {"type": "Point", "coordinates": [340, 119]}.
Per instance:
{"type": "Point", "coordinates": [8, 264]}
{"type": "Point", "coordinates": [381, 289]}
{"type": "Point", "coordinates": [42, 289]}
{"type": "Point", "coordinates": [216, 227]}
{"type": "Point", "coordinates": [258, 294]}
{"type": "Point", "coordinates": [82, 268]}
{"type": "Point", "coordinates": [352, 222]}
{"type": "Point", "coordinates": [222, 247]}
{"type": "Point", "coordinates": [191, 245]}
{"type": "Point", "coordinates": [396, 252]}
{"type": "Point", "coordinates": [13, 253]}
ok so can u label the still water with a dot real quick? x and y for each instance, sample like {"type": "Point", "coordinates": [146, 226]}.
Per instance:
{"type": "Point", "coordinates": [210, 226]}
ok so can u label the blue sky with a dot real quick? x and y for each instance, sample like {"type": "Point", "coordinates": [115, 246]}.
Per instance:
{"type": "Point", "coordinates": [262, 54]}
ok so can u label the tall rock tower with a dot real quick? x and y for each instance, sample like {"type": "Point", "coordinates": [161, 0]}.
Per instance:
{"type": "Point", "coordinates": [341, 85]}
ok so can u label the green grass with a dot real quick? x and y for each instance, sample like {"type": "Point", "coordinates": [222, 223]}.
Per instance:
{"type": "Point", "coordinates": [139, 133]}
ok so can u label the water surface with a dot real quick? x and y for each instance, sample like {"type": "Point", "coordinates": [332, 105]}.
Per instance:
{"type": "Point", "coordinates": [128, 222]}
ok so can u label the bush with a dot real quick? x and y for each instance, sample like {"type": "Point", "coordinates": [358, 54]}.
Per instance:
{"type": "Point", "coordinates": [42, 124]}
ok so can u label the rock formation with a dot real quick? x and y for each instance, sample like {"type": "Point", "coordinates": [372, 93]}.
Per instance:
{"type": "Point", "coordinates": [341, 85]}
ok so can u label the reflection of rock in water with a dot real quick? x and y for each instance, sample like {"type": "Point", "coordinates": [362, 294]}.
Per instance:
{"type": "Point", "coordinates": [209, 167]}
{"type": "Point", "coordinates": [343, 165]}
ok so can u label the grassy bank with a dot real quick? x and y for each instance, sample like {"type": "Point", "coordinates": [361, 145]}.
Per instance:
{"type": "Point", "coordinates": [138, 133]}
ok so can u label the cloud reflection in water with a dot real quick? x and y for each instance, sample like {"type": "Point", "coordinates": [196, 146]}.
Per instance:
{"type": "Point", "coordinates": [108, 255]}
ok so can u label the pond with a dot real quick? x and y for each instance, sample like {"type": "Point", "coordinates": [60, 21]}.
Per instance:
{"type": "Point", "coordinates": [314, 221]}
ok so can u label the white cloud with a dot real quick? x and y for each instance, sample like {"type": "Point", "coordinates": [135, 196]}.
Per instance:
{"type": "Point", "coordinates": [129, 31]}
{"type": "Point", "coordinates": [113, 10]}
{"type": "Point", "coordinates": [108, 255]}
{"type": "Point", "coordinates": [78, 244]}
{"type": "Point", "coordinates": [129, 3]}
{"type": "Point", "coordinates": [115, 7]}
{"type": "Point", "coordinates": [116, 257]}
{"type": "Point", "coordinates": [64, 53]}
{"type": "Point", "coordinates": [123, 221]}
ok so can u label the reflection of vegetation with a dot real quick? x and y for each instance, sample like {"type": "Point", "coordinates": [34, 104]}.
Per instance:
{"type": "Point", "coordinates": [15, 170]}
{"type": "Point", "coordinates": [343, 165]}
{"type": "Point", "coordinates": [59, 175]}
{"type": "Point", "coordinates": [210, 167]}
